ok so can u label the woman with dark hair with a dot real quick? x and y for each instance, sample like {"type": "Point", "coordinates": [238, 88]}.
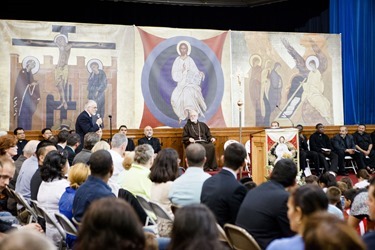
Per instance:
{"type": "Point", "coordinates": [8, 146]}
{"type": "Point", "coordinates": [195, 227]}
{"type": "Point", "coordinates": [164, 171]}
{"type": "Point", "coordinates": [302, 202]}
{"type": "Point", "coordinates": [55, 167]}
{"type": "Point", "coordinates": [110, 223]}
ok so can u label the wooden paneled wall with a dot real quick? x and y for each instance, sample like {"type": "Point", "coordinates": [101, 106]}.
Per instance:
{"type": "Point", "coordinates": [172, 137]}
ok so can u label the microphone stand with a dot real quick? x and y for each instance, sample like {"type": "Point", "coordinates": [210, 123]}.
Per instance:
{"type": "Point", "coordinates": [110, 128]}
{"type": "Point", "coordinates": [290, 120]}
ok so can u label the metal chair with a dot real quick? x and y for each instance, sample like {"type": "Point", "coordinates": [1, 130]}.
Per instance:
{"type": "Point", "coordinates": [33, 217]}
{"type": "Point", "coordinates": [223, 237]}
{"type": "Point", "coordinates": [160, 211]}
{"type": "Point", "coordinates": [350, 163]}
{"type": "Point", "coordinates": [66, 224]}
{"type": "Point", "coordinates": [239, 238]}
{"type": "Point", "coordinates": [148, 209]}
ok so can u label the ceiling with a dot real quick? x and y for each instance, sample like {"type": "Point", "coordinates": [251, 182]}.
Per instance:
{"type": "Point", "coordinates": [208, 3]}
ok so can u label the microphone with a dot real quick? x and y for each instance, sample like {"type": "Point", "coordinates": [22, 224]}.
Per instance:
{"type": "Point", "coordinates": [277, 106]}
{"type": "Point", "coordinates": [110, 116]}
{"type": "Point", "coordinates": [98, 116]}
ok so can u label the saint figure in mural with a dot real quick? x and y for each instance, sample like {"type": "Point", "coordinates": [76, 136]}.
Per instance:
{"type": "Point", "coordinates": [313, 88]}
{"type": "Point", "coordinates": [188, 94]}
{"type": "Point", "coordinates": [255, 87]}
{"type": "Point", "coordinates": [26, 93]}
{"type": "Point", "coordinates": [97, 84]}
{"type": "Point", "coordinates": [61, 71]}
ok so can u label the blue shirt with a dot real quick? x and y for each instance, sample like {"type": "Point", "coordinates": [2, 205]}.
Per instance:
{"type": "Point", "coordinates": [369, 239]}
{"type": "Point", "coordinates": [92, 189]}
{"type": "Point", "coordinates": [187, 188]}
{"type": "Point", "coordinates": [296, 243]}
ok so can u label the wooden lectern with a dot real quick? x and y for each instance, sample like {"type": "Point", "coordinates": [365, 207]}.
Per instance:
{"type": "Point", "coordinates": [270, 145]}
{"type": "Point", "coordinates": [258, 156]}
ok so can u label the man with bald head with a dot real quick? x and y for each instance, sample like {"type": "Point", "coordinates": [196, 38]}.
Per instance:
{"type": "Point", "coordinates": [187, 188]}
{"type": "Point", "coordinates": [149, 139]}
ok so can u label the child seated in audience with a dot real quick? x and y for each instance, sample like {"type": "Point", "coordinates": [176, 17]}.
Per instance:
{"type": "Point", "coordinates": [363, 177]}
{"type": "Point", "coordinates": [334, 199]}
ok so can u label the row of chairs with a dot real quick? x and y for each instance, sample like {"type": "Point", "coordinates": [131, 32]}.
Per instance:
{"type": "Point", "coordinates": [38, 213]}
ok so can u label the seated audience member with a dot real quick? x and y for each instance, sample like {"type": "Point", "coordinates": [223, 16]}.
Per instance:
{"type": "Point", "coordinates": [326, 180]}
{"type": "Point", "coordinates": [149, 139]}
{"type": "Point", "coordinates": [124, 130]}
{"type": "Point", "coordinates": [77, 176]}
{"type": "Point", "coordinates": [248, 182]}
{"type": "Point", "coordinates": [195, 131]}
{"type": "Point", "coordinates": [325, 231]}
{"type": "Point", "coordinates": [62, 138]}
{"type": "Point", "coordinates": [110, 223]}
{"type": "Point", "coordinates": [95, 187]}
{"type": "Point", "coordinates": [269, 222]}
{"type": "Point", "coordinates": [26, 239]}
{"type": "Point", "coordinates": [28, 169]}
{"type": "Point", "coordinates": [363, 178]}
{"type": "Point", "coordinates": [305, 153]}
{"type": "Point", "coordinates": [46, 133]}
{"type": "Point", "coordinates": [312, 179]}
{"type": "Point", "coordinates": [348, 181]}
{"type": "Point", "coordinates": [136, 180]}
{"type": "Point", "coordinates": [342, 186]}
{"type": "Point", "coordinates": [187, 188]}
{"type": "Point", "coordinates": [369, 238]}
{"type": "Point", "coordinates": [359, 211]}
{"type": "Point", "coordinates": [101, 145]}
{"type": "Point", "coordinates": [21, 141]}
{"type": "Point", "coordinates": [320, 143]}
{"type": "Point", "coordinates": [334, 199]}
{"type": "Point", "coordinates": [364, 145]}
{"type": "Point", "coordinates": [89, 141]}
{"type": "Point", "coordinates": [74, 140]}
{"type": "Point", "coordinates": [195, 227]}
{"type": "Point", "coordinates": [222, 192]}
{"type": "Point", "coordinates": [302, 203]}
{"type": "Point", "coordinates": [43, 148]}
{"type": "Point", "coordinates": [55, 167]}
{"type": "Point", "coordinates": [8, 146]}
{"type": "Point", "coordinates": [117, 151]}
{"type": "Point", "coordinates": [343, 145]}
{"type": "Point", "coordinates": [164, 171]}
{"type": "Point", "coordinates": [128, 160]}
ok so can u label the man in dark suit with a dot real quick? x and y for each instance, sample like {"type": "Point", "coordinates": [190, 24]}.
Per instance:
{"type": "Point", "coordinates": [263, 212]}
{"type": "Point", "coordinates": [343, 145]}
{"type": "Point", "coordinates": [148, 139]}
{"type": "Point", "coordinates": [85, 122]}
{"type": "Point", "coordinates": [124, 130]}
{"type": "Point", "coordinates": [223, 193]}
{"type": "Point", "coordinates": [72, 144]}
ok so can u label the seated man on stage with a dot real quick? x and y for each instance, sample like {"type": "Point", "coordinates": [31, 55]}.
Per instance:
{"type": "Point", "coordinates": [198, 132]}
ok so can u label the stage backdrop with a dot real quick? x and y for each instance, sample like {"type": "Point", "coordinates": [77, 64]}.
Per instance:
{"type": "Point", "coordinates": [152, 75]}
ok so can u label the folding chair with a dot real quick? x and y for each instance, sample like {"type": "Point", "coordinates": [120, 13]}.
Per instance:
{"type": "Point", "coordinates": [239, 238]}
{"type": "Point", "coordinates": [223, 236]}
{"type": "Point", "coordinates": [66, 224]}
{"type": "Point", "coordinates": [33, 217]}
{"type": "Point", "coordinates": [160, 211]}
{"type": "Point", "coordinates": [350, 163]}
{"type": "Point", "coordinates": [148, 209]}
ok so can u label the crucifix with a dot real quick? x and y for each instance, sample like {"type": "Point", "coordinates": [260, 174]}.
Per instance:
{"type": "Point", "coordinates": [61, 72]}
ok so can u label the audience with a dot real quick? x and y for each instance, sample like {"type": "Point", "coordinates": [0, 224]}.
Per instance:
{"type": "Point", "coordinates": [187, 188]}
{"type": "Point", "coordinates": [263, 212]}
{"type": "Point", "coordinates": [312, 179]}
{"type": "Point", "coordinates": [110, 223]}
{"type": "Point", "coordinates": [26, 239]}
{"type": "Point", "coordinates": [302, 203]}
{"type": "Point", "coordinates": [62, 138]}
{"type": "Point", "coordinates": [348, 181]}
{"type": "Point", "coordinates": [78, 174]}
{"type": "Point", "coordinates": [325, 231]}
{"type": "Point", "coordinates": [369, 238]}
{"type": "Point", "coordinates": [223, 193]}
{"type": "Point", "coordinates": [117, 151]}
{"type": "Point", "coordinates": [334, 199]}
{"type": "Point", "coordinates": [21, 141]}
{"type": "Point", "coordinates": [55, 167]}
{"type": "Point", "coordinates": [101, 145]}
{"type": "Point", "coordinates": [8, 146]}
{"type": "Point", "coordinates": [128, 160]}
{"type": "Point", "coordinates": [164, 171]}
{"type": "Point", "coordinates": [363, 178]}
{"type": "Point", "coordinates": [326, 180]}
{"type": "Point", "coordinates": [195, 227]}
{"type": "Point", "coordinates": [89, 141]}
{"type": "Point", "coordinates": [95, 187]}
{"type": "Point", "coordinates": [136, 179]}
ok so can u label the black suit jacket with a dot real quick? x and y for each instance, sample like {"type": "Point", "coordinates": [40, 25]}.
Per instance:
{"type": "Point", "coordinates": [154, 142]}
{"type": "Point", "coordinates": [263, 213]}
{"type": "Point", "coordinates": [71, 154]}
{"type": "Point", "coordinates": [223, 194]}
{"type": "Point", "coordinates": [130, 146]}
{"type": "Point", "coordinates": [84, 124]}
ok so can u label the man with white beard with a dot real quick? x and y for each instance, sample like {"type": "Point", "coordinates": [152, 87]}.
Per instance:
{"type": "Point", "coordinates": [195, 131]}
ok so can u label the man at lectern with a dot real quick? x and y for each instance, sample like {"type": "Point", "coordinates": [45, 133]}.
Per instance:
{"type": "Point", "coordinates": [198, 132]}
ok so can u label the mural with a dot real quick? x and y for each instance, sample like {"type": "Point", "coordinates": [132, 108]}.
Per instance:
{"type": "Point", "coordinates": [153, 76]}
